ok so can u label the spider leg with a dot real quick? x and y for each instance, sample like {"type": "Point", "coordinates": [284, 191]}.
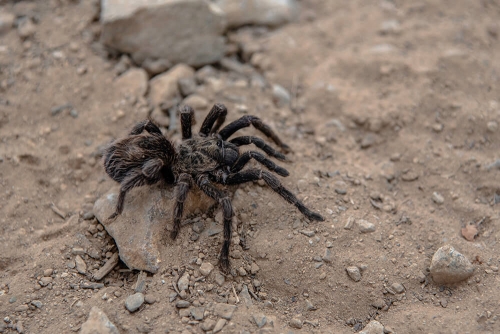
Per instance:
{"type": "Point", "coordinates": [132, 181]}
{"type": "Point", "coordinates": [181, 191]}
{"type": "Point", "coordinates": [245, 158]}
{"type": "Point", "coordinates": [187, 120]}
{"type": "Point", "coordinates": [217, 113]}
{"type": "Point", "coordinates": [147, 125]}
{"type": "Point", "coordinates": [260, 143]}
{"type": "Point", "coordinates": [248, 120]}
{"type": "Point", "coordinates": [227, 211]}
{"type": "Point", "coordinates": [273, 182]}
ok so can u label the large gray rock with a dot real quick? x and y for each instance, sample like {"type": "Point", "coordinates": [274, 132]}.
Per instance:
{"type": "Point", "coordinates": [258, 12]}
{"type": "Point", "coordinates": [144, 222]}
{"type": "Point", "coordinates": [188, 31]}
{"type": "Point", "coordinates": [449, 266]}
{"type": "Point", "coordinates": [98, 323]}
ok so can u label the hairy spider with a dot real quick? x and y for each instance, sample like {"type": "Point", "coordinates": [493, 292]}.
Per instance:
{"type": "Point", "coordinates": [146, 157]}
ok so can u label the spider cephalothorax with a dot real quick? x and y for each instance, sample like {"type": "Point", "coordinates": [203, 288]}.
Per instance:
{"type": "Point", "coordinates": [146, 157]}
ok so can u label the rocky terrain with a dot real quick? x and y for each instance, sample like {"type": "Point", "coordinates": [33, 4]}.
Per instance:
{"type": "Point", "coordinates": [392, 111]}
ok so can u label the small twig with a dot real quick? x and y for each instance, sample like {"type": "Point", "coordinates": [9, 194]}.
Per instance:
{"type": "Point", "coordinates": [57, 211]}
{"type": "Point", "coordinates": [235, 295]}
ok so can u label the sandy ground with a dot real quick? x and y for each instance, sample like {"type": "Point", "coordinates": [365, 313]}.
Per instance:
{"type": "Point", "coordinates": [393, 101]}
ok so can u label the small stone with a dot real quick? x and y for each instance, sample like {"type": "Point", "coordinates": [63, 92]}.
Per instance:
{"type": "Point", "coordinates": [398, 287]}
{"type": "Point", "coordinates": [443, 302]}
{"type": "Point", "coordinates": [78, 251]}
{"type": "Point", "coordinates": [208, 325]}
{"type": "Point", "coordinates": [197, 313]}
{"type": "Point", "coordinates": [242, 271]}
{"type": "Point", "coordinates": [296, 323]}
{"type": "Point", "coordinates": [449, 266]}
{"type": "Point", "coordinates": [373, 327]}
{"type": "Point", "coordinates": [310, 306]}
{"type": "Point", "coordinates": [48, 272]}
{"type": "Point", "coordinates": [6, 21]}
{"type": "Point", "coordinates": [254, 268]}
{"type": "Point", "coordinates": [198, 227]}
{"type": "Point", "coordinates": [98, 322]}
{"type": "Point", "coordinates": [117, 293]}
{"type": "Point", "coordinates": [307, 233]}
{"type": "Point", "coordinates": [187, 86]}
{"type": "Point", "coordinates": [224, 310]}
{"type": "Point", "coordinates": [349, 223]}
{"type": "Point", "coordinates": [219, 279]}
{"type": "Point", "coordinates": [328, 257]}
{"type": "Point", "coordinates": [492, 126]}
{"type": "Point", "coordinates": [134, 302]}
{"type": "Point", "coordinates": [182, 304]}
{"type": "Point", "coordinates": [379, 303]}
{"type": "Point", "coordinates": [354, 273]}
{"type": "Point", "coordinates": [26, 28]}
{"type": "Point", "coordinates": [437, 198]}
{"type": "Point", "coordinates": [44, 281]}
{"type": "Point", "coordinates": [259, 319]}
{"type": "Point", "coordinates": [156, 66]}
{"type": "Point", "coordinates": [81, 266]}
{"type": "Point", "coordinates": [365, 226]}
{"type": "Point", "coordinates": [37, 303]}
{"type": "Point", "coordinates": [281, 96]}
{"type": "Point", "coordinates": [219, 325]}
{"type": "Point", "coordinates": [13, 299]}
{"type": "Point", "coordinates": [22, 308]}
{"type": "Point", "coordinates": [369, 140]}
{"type": "Point", "coordinates": [245, 296]}
{"type": "Point", "coordinates": [206, 268]}
{"type": "Point", "coordinates": [197, 102]}
{"type": "Point", "coordinates": [134, 81]}
{"type": "Point", "coordinates": [149, 299]}
{"type": "Point", "coordinates": [164, 87]}
{"type": "Point", "coordinates": [183, 282]}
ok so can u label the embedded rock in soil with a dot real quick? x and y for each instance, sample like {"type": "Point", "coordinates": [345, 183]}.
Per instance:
{"type": "Point", "coordinates": [98, 322]}
{"type": "Point", "coordinates": [164, 87]}
{"type": "Point", "coordinates": [134, 302]}
{"type": "Point", "coordinates": [134, 81]}
{"type": "Point", "coordinates": [373, 327]}
{"type": "Point", "coordinates": [258, 12]}
{"type": "Point", "coordinates": [139, 230]}
{"type": "Point", "coordinates": [177, 30]}
{"type": "Point", "coordinates": [449, 266]}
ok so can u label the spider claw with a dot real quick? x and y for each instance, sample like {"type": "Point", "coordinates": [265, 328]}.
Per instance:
{"type": "Point", "coordinates": [315, 216]}
{"type": "Point", "coordinates": [225, 265]}
{"type": "Point", "coordinates": [281, 171]}
{"type": "Point", "coordinates": [174, 234]}
{"type": "Point", "coordinates": [112, 218]}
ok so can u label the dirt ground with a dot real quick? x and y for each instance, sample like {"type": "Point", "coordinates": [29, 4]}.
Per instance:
{"type": "Point", "coordinates": [392, 101]}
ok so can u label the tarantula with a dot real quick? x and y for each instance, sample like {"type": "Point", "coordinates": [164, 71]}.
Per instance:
{"type": "Point", "coordinates": [146, 157]}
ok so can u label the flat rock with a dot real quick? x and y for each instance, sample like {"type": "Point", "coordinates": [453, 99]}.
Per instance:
{"type": "Point", "coordinates": [245, 296]}
{"type": "Point", "coordinates": [187, 31]}
{"type": "Point", "coordinates": [134, 81]}
{"type": "Point", "coordinates": [449, 266]}
{"type": "Point", "coordinates": [219, 325]}
{"type": "Point", "coordinates": [139, 230]}
{"type": "Point", "coordinates": [258, 12]}
{"type": "Point", "coordinates": [225, 310]}
{"type": "Point", "coordinates": [81, 266]}
{"type": "Point", "coordinates": [373, 327]}
{"type": "Point", "coordinates": [98, 322]}
{"type": "Point", "coordinates": [164, 87]}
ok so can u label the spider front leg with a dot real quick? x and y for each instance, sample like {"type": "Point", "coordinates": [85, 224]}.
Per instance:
{"type": "Point", "coordinates": [181, 191]}
{"type": "Point", "coordinates": [273, 182]}
{"type": "Point", "coordinates": [245, 158]}
{"type": "Point", "coordinates": [131, 181]}
{"type": "Point", "coordinates": [248, 120]}
{"type": "Point", "coordinates": [227, 212]}
{"type": "Point", "coordinates": [187, 120]}
{"type": "Point", "coordinates": [217, 113]}
{"type": "Point", "coordinates": [247, 140]}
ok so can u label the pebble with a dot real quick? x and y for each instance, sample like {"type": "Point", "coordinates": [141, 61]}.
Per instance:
{"type": "Point", "coordinates": [208, 325]}
{"type": "Point", "coordinates": [310, 306]}
{"type": "Point", "coordinates": [449, 266]}
{"type": "Point", "coordinates": [149, 299]}
{"type": "Point", "coordinates": [22, 308]}
{"type": "Point", "coordinates": [368, 140]}
{"type": "Point", "coordinates": [182, 304]}
{"type": "Point", "coordinates": [259, 319]}
{"type": "Point", "coordinates": [354, 273]}
{"type": "Point", "coordinates": [219, 279]}
{"type": "Point", "coordinates": [307, 233]}
{"type": "Point", "coordinates": [379, 303]}
{"type": "Point", "coordinates": [197, 102]}
{"type": "Point", "coordinates": [224, 310]}
{"type": "Point", "coordinates": [198, 227]}
{"type": "Point", "coordinates": [98, 322]}
{"type": "Point", "coordinates": [44, 281]}
{"type": "Point", "coordinates": [13, 299]}
{"type": "Point", "coordinates": [78, 251]}
{"type": "Point", "coordinates": [296, 323]}
{"type": "Point", "coordinates": [328, 257]}
{"type": "Point", "coordinates": [156, 66]}
{"type": "Point", "coordinates": [48, 272]}
{"type": "Point", "coordinates": [81, 266]}
{"type": "Point", "coordinates": [254, 268]}
{"type": "Point", "coordinates": [373, 327]}
{"type": "Point", "coordinates": [37, 303]}
{"type": "Point", "coordinates": [365, 226]}
{"type": "Point", "coordinates": [26, 28]}
{"type": "Point", "coordinates": [183, 282]}
{"type": "Point", "coordinates": [349, 223]}
{"type": "Point", "coordinates": [281, 96]}
{"type": "Point", "coordinates": [134, 302]}
{"type": "Point", "coordinates": [492, 126]}
{"type": "Point", "coordinates": [245, 296]}
{"type": "Point", "coordinates": [197, 313]}
{"type": "Point", "coordinates": [242, 271]}
{"type": "Point", "coordinates": [398, 287]}
{"type": "Point", "coordinates": [219, 325]}
{"type": "Point", "coordinates": [206, 268]}
{"type": "Point", "coordinates": [437, 198]}
{"type": "Point", "coordinates": [6, 21]}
